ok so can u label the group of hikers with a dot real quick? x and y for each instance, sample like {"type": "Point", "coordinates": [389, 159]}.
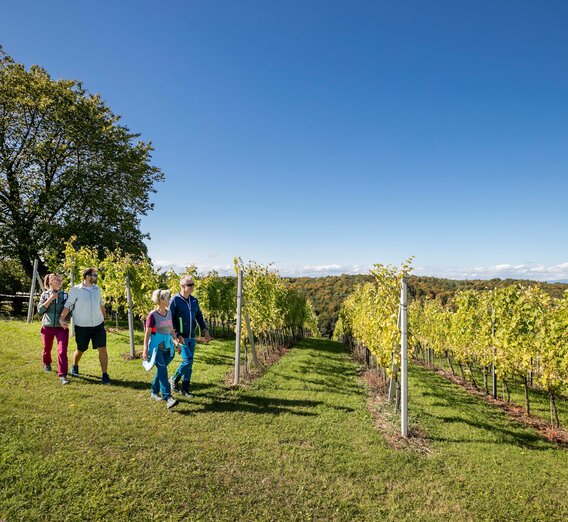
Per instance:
{"type": "Point", "coordinates": [170, 327]}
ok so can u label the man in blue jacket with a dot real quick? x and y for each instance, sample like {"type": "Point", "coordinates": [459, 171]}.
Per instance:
{"type": "Point", "coordinates": [185, 314]}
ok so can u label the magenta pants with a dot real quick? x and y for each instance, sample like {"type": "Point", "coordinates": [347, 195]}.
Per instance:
{"type": "Point", "coordinates": [48, 333]}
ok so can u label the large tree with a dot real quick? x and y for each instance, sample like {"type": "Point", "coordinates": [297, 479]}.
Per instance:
{"type": "Point", "coordinates": [67, 167]}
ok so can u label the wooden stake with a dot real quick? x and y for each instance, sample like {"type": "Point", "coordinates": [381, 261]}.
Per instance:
{"type": "Point", "coordinates": [32, 292]}
{"type": "Point", "coordinates": [130, 318]}
{"type": "Point", "coordinates": [238, 328]}
{"type": "Point", "coordinates": [251, 341]}
{"type": "Point", "coordinates": [404, 359]}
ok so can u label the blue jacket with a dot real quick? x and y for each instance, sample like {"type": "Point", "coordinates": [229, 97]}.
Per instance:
{"type": "Point", "coordinates": [154, 345]}
{"type": "Point", "coordinates": [185, 314]}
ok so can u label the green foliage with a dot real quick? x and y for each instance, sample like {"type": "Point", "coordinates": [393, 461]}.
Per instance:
{"type": "Point", "coordinates": [113, 269]}
{"type": "Point", "coordinates": [12, 277]}
{"type": "Point", "coordinates": [522, 330]}
{"type": "Point", "coordinates": [328, 293]}
{"type": "Point", "coordinates": [67, 167]}
{"type": "Point", "coordinates": [217, 296]}
{"type": "Point", "coordinates": [370, 314]}
{"type": "Point", "coordinates": [272, 304]}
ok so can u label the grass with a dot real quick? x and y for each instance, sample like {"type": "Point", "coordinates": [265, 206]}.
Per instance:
{"type": "Point", "coordinates": [539, 400]}
{"type": "Point", "coordinates": [298, 444]}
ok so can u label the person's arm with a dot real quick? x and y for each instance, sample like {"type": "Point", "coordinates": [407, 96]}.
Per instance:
{"type": "Point", "coordinates": [103, 309]}
{"type": "Point", "coordinates": [147, 335]}
{"type": "Point", "coordinates": [150, 323]}
{"type": "Point", "coordinates": [67, 307]}
{"type": "Point", "coordinates": [176, 340]}
{"type": "Point", "coordinates": [44, 302]}
{"type": "Point", "coordinates": [175, 320]}
{"type": "Point", "coordinates": [202, 324]}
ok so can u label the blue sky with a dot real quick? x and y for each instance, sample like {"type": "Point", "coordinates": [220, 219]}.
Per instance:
{"type": "Point", "coordinates": [326, 136]}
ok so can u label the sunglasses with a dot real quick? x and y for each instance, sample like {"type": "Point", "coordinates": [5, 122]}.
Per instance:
{"type": "Point", "coordinates": [190, 285]}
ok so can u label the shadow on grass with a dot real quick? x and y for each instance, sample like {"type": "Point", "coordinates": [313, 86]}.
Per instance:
{"type": "Point", "coordinates": [470, 411]}
{"type": "Point", "coordinates": [135, 385]}
{"type": "Point", "coordinates": [516, 437]}
{"type": "Point", "coordinates": [251, 404]}
{"type": "Point", "coordinates": [214, 359]}
{"type": "Point", "coordinates": [326, 370]}
{"type": "Point", "coordinates": [331, 384]}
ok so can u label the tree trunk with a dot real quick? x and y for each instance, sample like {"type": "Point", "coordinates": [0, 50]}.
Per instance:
{"type": "Point", "coordinates": [472, 374]}
{"type": "Point", "coordinates": [485, 380]}
{"type": "Point", "coordinates": [27, 262]}
{"type": "Point", "coordinates": [507, 391]}
{"type": "Point", "coordinates": [527, 400]}
{"type": "Point", "coordinates": [450, 362]}
{"type": "Point", "coordinates": [553, 410]}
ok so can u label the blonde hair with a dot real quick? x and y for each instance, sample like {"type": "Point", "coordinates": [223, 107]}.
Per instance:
{"type": "Point", "coordinates": [160, 295]}
{"type": "Point", "coordinates": [186, 279]}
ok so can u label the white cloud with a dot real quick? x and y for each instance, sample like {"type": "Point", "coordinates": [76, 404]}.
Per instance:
{"type": "Point", "coordinates": [201, 267]}
{"type": "Point", "coordinates": [534, 271]}
{"type": "Point", "coordinates": [323, 270]}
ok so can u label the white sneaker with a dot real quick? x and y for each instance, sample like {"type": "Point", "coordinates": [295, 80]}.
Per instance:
{"type": "Point", "coordinates": [63, 380]}
{"type": "Point", "coordinates": [171, 402]}
{"type": "Point", "coordinates": [156, 397]}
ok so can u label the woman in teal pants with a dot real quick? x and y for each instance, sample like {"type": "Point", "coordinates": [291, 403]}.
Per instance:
{"type": "Point", "coordinates": [160, 338]}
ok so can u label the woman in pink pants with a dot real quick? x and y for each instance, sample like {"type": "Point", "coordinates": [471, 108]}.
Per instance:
{"type": "Point", "coordinates": [50, 305]}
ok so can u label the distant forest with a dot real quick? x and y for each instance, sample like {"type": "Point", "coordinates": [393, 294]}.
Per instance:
{"type": "Point", "coordinates": [327, 293]}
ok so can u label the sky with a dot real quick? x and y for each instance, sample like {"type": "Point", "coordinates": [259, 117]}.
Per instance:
{"type": "Point", "coordinates": [325, 136]}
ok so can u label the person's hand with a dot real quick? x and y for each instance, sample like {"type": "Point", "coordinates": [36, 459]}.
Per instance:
{"type": "Point", "coordinates": [180, 339]}
{"type": "Point", "coordinates": [207, 336]}
{"type": "Point", "coordinates": [64, 323]}
{"type": "Point", "coordinates": [145, 354]}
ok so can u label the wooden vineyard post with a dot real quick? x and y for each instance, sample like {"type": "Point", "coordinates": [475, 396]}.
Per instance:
{"type": "Point", "coordinates": [71, 284]}
{"type": "Point", "coordinates": [251, 341]}
{"type": "Point", "coordinates": [404, 358]}
{"type": "Point", "coordinates": [393, 379]}
{"type": "Point", "coordinates": [39, 282]}
{"type": "Point", "coordinates": [32, 292]}
{"type": "Point", "coordinates": [493, 373]}
{"type": "Point", "coordinates": [130, 318]}
{"type": "Point", "coordinates": [238, 328]}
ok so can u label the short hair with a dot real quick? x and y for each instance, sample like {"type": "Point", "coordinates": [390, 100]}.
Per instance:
{"type": "Point", "coordinates": [186, 279]}
{"type": "Point", "coordinates": [89, 271]}
{"type": "Point", "coordinates": [160, 295]}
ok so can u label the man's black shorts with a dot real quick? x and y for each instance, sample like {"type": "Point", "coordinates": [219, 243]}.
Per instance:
{"type": "Point", "coordinates": [85, 334]}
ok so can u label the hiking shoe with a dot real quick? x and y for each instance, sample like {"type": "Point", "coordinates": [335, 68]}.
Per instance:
{"type": "Point", "coordinates": [105, 379]}
{"type": "Point", "coordinates": [47, 367]}
{"type": "Point", "coordinates": [185, 389]}
{"type": "Point", "coordinates": [63, 379]}
{"type": "Point", "coordinates": [156, 397]}
{"type": "Point", "coordinates": [174, 383]}
{"type": "Point", "coordinates": [75, 370]}
{"type": "Point", "coordinates": [171, 402]}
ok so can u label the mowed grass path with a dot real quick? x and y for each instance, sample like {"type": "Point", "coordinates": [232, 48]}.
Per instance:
{"type": "Point", "coordinates": [299, 444]}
